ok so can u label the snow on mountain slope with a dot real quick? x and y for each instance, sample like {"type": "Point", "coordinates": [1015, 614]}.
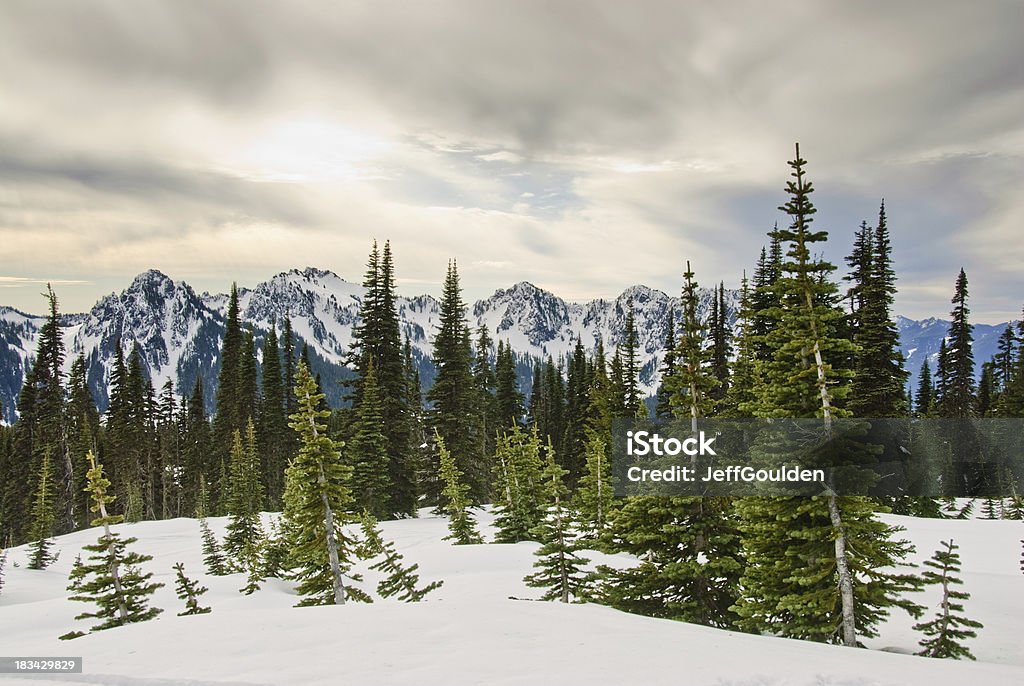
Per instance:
{"type": "Point", "coordinates": [179, 332]}
{"type": "Point", "coordinates": [470, 631]}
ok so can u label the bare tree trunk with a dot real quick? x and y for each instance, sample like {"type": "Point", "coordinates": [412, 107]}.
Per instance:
{"type": "Point", "coordinates": [115, 572]}
{"type": "Point", "coordinates": [842, 563]}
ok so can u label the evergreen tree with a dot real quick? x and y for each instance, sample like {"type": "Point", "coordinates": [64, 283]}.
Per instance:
{"type": "Point", "coordinates": [508, 398]}
{"type": "Point", "coordinates": [245, 497]}
{"type": "Point", "coordinates": [693, 382]}
{"type": "Point", "coordinates": [189, 591]}
{"type": "Point", "coordinates": [40, 550]}
{"type": "Point", "coordinates": [925, 399]}
{"type": "Point", "coordinates": [112, 578]}
{"type": "Point", "coordinates": [273, 428]}
{"type": "Point", "coordinates": [368, 451]}
{"type": "Point", "coordinates": [572, 450]}
{"type": "Point", "coordinates": [83, 431]}
{"type": "Point", "coordinates": [320, 497]}
{"type": "Point", "coordinates": [200, 462]}
{"type": "Point", "coordinates": [721, 344]}
{"type": "Point", "coordinates": [452, 393]}
{"type": "Point", "coordinates": [213, 554]}
{"type": "Point", "coordinates": [377, 341]}
{"type": "Point", "coordinates": [630, 360]}
{"type": "Point", "coordinates": [668, 369]}
{"type": "Point", "coordinates": [518, 479]}
{"type": "Point", "coordinates": [690, 555]}
{"type": "Point", "coordinates": [877, 389]}
{"type": "Point", "coordinates": [813, 564]}
{"type": "Point", "coordinates": [947, 631]}
{"type": "Point", "coordinates": [559, 568]}
{"type": "Point", "coordinates": [228, 418]}
{"type": "Point", "coordinates": [455, 499]}
{"type": "Point", "coordinates": [740, 396]}
{"type": "Point", "coordinates": [594, 500]}
{"type": "Point", "coordinates": [399, 580]}
{"type": "Point", "coordinates": [958, 392]}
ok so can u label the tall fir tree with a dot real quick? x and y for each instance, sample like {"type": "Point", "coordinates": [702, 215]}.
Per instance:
{"type": "Point", "coordinates": [273, 436]}
{"type": "Point", "coordinates": [367, 451]}
{"type": "Point", "coordinates": [668, 369]}
{"type": "Point", "coordinates": [691, 385]}
{"type": "Point", "coordinates": [452, 394]}
{"type": "Point", "coordinates": [509, 408]}
{"type": "Point", "coordinates": [813, 564]}
{"type": "Point", "coordinates": [320, 496]}
{"type": "Point", "coordinates": [958, 388]}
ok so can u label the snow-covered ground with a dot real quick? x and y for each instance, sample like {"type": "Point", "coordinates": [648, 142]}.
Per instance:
{"type": "Point", "coordinates": [471, 632]}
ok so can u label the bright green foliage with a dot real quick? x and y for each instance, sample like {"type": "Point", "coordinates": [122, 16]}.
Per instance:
{"type": "Point", "coordinates": [318, 498]}
{"type": "Point", "coordinates": [594, 500]}
{"type": "Point", "coordinates": [189, 591]}
{"type": "Point", "coordinates": [399, 580]}
{"type": "Point", "coordinates": [789, 583]}
{"type": "Point", "coordinates": [559, 568]}
{"type": "Point", "coordinates": [367, 451]}
{"type": "Point", "coordinates": [690, 555]}
{"type": "Point", "coordinates": [454, 498]}
{"type": "Point", "coordinates": [213, 555]}
{"type": "Point", "coordinates": [245, 496]}
{"type": "Point", "coordinates": [518, 478]}
{"type": "Point", "coordinates": [111, 578]}
{"type": "Point", "coordinates": [40, 553]}
{"type": "Point", "coordinates": [947, 631]}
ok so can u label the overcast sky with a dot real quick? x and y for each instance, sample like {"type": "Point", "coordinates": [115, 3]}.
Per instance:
{"type": "Point", "coordinates": [583, 146]}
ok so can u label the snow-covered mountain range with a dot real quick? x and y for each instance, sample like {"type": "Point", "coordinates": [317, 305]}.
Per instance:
{"type": "Point", "coordinates": [179, 331]}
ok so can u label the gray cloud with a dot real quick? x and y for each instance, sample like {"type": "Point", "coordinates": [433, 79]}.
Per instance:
{"type": "Point", "coordinates": [560, 137]}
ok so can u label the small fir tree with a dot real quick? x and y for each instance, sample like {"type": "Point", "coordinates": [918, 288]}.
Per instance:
{"type": "Point", "coordinates": [399, 580]}
{"type": "Point", "coordinates": [40, 550]}
{"type": "Point", "coordinates": [112, 578]}
{"type": "Point", "coordinates": [947, 631]}
{"type": "Point", "coordinates": [559, 568]}
{"type": "Point", "coordinates": [594, 500]}
{"type": "Point", "coordinates": [189, 591]}
{"type": "Point", "coordinates": [455, 501]}
{"type": "Point", "coordinates": [213, 554]}
{"type": "Point", "coordinates": [518, 482]}
{"type": "Point", "coordinates": [245, 496]}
